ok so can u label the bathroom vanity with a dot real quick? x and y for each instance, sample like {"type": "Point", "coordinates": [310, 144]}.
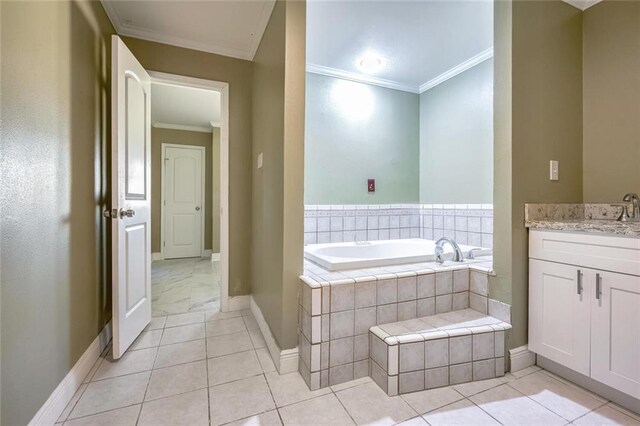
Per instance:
{"type": "Point", "coordinates": [584, 298]}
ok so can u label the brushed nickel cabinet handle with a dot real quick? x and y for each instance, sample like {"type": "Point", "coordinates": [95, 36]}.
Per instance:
{"type": "Point", "coordinates": [579, 281]}
{"type": "Point", "coordinates": [598, 286]}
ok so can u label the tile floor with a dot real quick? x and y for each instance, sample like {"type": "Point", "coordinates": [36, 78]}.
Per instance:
{"type": "Point", "coordinates": [213, 368]}
{"type": "Point", "coordinates": [184, 285]}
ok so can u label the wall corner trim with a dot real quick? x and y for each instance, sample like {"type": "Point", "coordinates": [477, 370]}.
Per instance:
{"type": "Point", "coordinates": [58, 400]}
{"type": "Point", "coordinates": [458, 69]}
{"type": "Point", "coordinates": [286, 361]}
{"type": "Point", "coordinates": [238, 303]}
{"type": "Point", "coordinates": [521, 358]}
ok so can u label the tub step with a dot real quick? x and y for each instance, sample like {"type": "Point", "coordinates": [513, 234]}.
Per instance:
{"type": "Point", "coordinates": [435, 351]}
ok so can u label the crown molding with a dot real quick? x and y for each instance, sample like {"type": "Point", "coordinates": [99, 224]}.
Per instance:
{"type": "Point", "coordinates": [248, 54]}
{"type": "Point", "coordinates": [458, 69]}
{"type": "Point", "coordinates": [582, 4]}
{"type": "Point", "coordinates": [360, 78]}
{"type": "Point", "coordinates": [215, 124]}
{"type": "Point", "coordinates": [170, 126]}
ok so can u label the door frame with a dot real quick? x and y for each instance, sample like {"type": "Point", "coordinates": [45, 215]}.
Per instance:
{"type": "Point", "coordinates": [223, 89]}
{"type": "Point", "coordinates": [203, 161]}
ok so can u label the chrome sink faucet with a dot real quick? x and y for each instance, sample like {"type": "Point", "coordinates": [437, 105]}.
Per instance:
{"type": "Point", "coordinates": [635, 201]}
{"type": "Point", "coordinates": [457, 256]}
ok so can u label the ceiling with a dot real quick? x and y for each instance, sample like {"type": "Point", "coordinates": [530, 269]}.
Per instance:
{"type": "Point", "coordinates": [230, 28]}
{"type": "Point", "coordinates": [184, 108]}
{"type": "Point", "coordinates": [582, 4]}
{"type": "Point", "coordinates": [417, 41]}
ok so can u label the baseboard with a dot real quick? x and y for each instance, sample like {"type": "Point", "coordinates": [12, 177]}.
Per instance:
{"type": "Point", "coordinates": [207, 253]}
{"type": "Point", "coordinates": [286, 361]}
{"type": "Point", "coordinates": [215, 257]}
{"type": "Point", "coordinates": [58, 400]}
{"type": "Point", "coordinates": [521, 358]}
{"type": "Point", "coordinates": [238, 303]}
{"type": "Point", "coordinates": [157, 256]}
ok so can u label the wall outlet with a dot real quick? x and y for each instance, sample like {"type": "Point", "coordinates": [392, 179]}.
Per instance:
{"type": "Point", "coordinates": [554, 172]}
{"type": "Point", "coordinates": [260, 160]}
{"type": "Point", "coordinates": [371, 185]}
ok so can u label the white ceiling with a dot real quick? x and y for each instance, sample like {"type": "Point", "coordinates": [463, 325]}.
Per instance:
{"type": "Point", "coordinates": [184, 108]}
{"type": "Point", "coordinates": [418, 41]}
{"type": "Point", "coordinates": [231, 28]}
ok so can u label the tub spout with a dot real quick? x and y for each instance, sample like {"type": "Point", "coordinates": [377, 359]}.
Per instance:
{"type": "Point", "coordinates": [457, 255]}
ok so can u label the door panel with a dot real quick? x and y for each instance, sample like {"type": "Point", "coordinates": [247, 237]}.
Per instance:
{"type": "Point", "coordinates": [131, 165]}
{"type": "Point", "coordinates": [559, 314]}
{"type": "Point", "coordinates": [616, 333]}
{"type": "Point", "coordinates": [184, 209]}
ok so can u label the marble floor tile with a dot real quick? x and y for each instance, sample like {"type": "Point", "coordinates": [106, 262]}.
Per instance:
{"type": "Point", "coordinates": [324, 410]}
{"type": "Point", "coordinates": [190, 408]}
{"type": "Point", "coordinates": [463, 412]}
{"type": "Point", "coordinates": [232, 367]}
{"type": "Point", "coordinates": [270, 418]}
{"type": "Point", "coordinates": [240, 399]}
{"type": "Point", "coordinates": [429, 400]}
{"type": "Point", "coordinates": [177, 379]}
{"type": "Point", "coordinates": [368, 404]}
{"type": "Point", "coordinates": [130, 362]}
{"type": "Point", "coordinates": [180, 353]}
{"type": "Point", "coordinates": [147, 339]}
{"type": "Point", "coordinates": [290, 388]}
{"type": "Point", "coordinates": [122, 417]}
{"type": "Point", "coordinates": [228, 344]}
{"type": "Point", "coordinates": [183, 333]}
{"type": "Point", "coordinates": [185, 319]}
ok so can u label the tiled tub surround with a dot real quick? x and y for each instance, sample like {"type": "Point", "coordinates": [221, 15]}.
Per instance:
{"type": "Point", "coordinates": [440, 350]}
{"type": "Point", "coordinates": [470, 224]}
{"type": "Point", "coordinates": [338, 309]}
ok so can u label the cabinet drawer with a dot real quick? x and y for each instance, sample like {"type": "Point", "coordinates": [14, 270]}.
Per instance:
{"type": "Point", "coordinates": [608, 253]}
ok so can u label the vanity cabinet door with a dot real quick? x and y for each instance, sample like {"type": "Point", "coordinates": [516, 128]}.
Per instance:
{"type": "Point", "coordinates": [615, 337]}
{"type": "Point", "coordinates": [559, 317]}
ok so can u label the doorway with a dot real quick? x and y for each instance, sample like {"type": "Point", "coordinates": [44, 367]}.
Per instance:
{"type": "Point", "coordinates": [190, 164]}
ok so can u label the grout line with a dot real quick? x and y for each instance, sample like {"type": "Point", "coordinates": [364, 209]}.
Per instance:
{"type": "Point", "coordinates": [104, 412]}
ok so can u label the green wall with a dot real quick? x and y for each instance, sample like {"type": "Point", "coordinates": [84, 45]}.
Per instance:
{"type": "Point", "coordinates": [611, 101]}
{"type": "Point", "coordinates": [538, 117]}
{"type": "Point", "coordinates": [54, 165]}
{"type": "Point", "coordinates": [456, 139]}
{"type": "Point", "coordinates": [356, 131]}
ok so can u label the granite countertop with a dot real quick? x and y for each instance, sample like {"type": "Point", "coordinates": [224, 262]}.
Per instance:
{"type": "Point", "coordinates": [596, 226]}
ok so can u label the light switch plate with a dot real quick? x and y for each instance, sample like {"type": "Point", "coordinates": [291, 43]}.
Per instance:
{"type": "Point", "coordinates": [260, 160]}
{"type": "Point", "coordinates": [554, 172]}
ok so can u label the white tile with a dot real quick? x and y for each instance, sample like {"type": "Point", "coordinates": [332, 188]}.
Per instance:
{"type": "Point", "coordinates": [478, 303]}
{"type": "Point", "coordinates": [156, 323]}
{"type": "Point", "coordinates": [460, 349]}
{"type": "Point", "coordinates": [436, 377]}
{"type": "Point", "coordinates": [188, 409]}
{"type": "Point", "coordinates": [347, 385]}
{"type": "Point", "coordinates": [407, 288]}
{"type": "Point", "coordinates": [239, 399]}
{"type": "Point", "coordinates": [485, 369]}
{"type": "Point", "coordinates": [460, 280]}
{"type": "Point", "coordinates": [264, 357]}
{"type": "Point", "coordinates": [270, 418]}
{"type": "Point", "coordinates": [387, 291]}
{"type": "Point", "coordinates": [257, 339]}
{"type": "Point", "coordinates": [500, 310]}
{"type": "Point", "coordinates": [325, 410]}
{"type": "Point", "coordinates": [460, 373]}
{"type": "Point", "coordinates": [472, 388]}
{"type": "Point", "coordinates": [147, 339]}
{"type": "Point", "coordinates": [426, 307]}
{"type": "Point", "coordinates": [444, 303]}
{"type": "Point", "coordinates": [232, 367]}
{"type": "Point", "coordinates": [224, 326]}
{"type": "Point", "coordinates": [368, 404]}
{"type": "Point", "coordinates": [444, 282]}
{"type": "Point", "coordinates": [228, 344]}
{"type": "Point", "coordinates": [479, 283]}
{"type": "Point", "coordinates": [462, 412]}
{"type": "Point", "coordinates": [180, 353]}
{"type": "Point", "coordinates": [342, 297]}
{"type": "Point", "coordinates": [364, 319]}
{"type": "Point", "coordinates": [176, 380]}
{"type": "Point", "coordinates": [416, 421]}
{"type": "Point", "coordinates": [130, 362]}
{"type": "Point", "coordinates": [184, 319]}
{"type": "Point", "coordinates": [290, 388]}
{"type": "Point", "coordinates": [341, 351]}
{"type": "Point", "coordinates": [72, 403]}
{"type": "Point", "coordinates": [183, 333]}
{"type": "Point", "coordinates": [411, 357]}
{"type": "Point", "coordinates": [483, 346]}
{"type": "Point", "coordinates": [429, 400]}
{"type": "Point", "coordinates": [509, 406]}
{"type": "Point", "coordinates": [606, 415]}
{"type": "Point", "coordinates": [342, 324]}
{"type": "Point", "coordinates": [109, 394]}
{"type": "Point", "coordinates": [412, 381]}
{"type": "Point", "coordinates": [570, 402]}
{"type": "Point", "coordinates": [122, 417]}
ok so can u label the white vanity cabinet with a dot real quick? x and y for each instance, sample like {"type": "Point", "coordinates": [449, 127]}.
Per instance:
{"type": "Point", "coordinates": [584, 305]}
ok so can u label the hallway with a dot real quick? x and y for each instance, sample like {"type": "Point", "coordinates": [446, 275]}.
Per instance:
{"type": "Point", "coordinates": [213, 368]}
{"type": "Point", "coordinates": [185, 285]}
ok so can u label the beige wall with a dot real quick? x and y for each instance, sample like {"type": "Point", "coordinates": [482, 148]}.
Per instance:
{"type": "Point", "coordinates": [611, 101]}
{"type": "Point", "coordinates": [545, 123]}
{"type": "Point", "coordinates": [54, 163]}
{"type": "Point", "coordinates": [212, 167]}
{"type": "Point", "coordinates": [236, 72]}
{"type": "Point", "coordinates": [278, 133]}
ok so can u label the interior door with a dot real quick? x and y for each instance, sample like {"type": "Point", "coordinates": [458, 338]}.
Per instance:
{"type": "Point", "coordinates": [559, 313]}
{"type": "Point", "coordinates": [615, 338]}
{"type": "Point", "coordinates": [183, 201]}
{"type": "Point", "coordinates": [131, 189]}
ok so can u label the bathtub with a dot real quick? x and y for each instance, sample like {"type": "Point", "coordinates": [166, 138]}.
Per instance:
{"type": "Point", "coordinates": [369, 254]}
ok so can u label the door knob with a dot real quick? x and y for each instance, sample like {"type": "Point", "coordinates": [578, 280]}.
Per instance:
{"type": "Point", "coordinates": [197, 209]}
{"type": "Point", "coordinates": [110, 213]}
{"type": "Point", "coordinates": [127, 213]}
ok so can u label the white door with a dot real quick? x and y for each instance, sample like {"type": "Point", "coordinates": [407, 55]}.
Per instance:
{"type": "Point", "coordinates": [183, 195]}
{"type": "Point", "coordinates": [559, 305]}
{"type": "Point", "coordinates": [131, 204]}
{"type": "Point", "coordinates": [615, 338]}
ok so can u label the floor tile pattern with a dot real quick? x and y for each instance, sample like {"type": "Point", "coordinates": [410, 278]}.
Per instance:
{"type": "Point", "coordinates": [184, 285]}
{"type": "Point", "coordinates": [224, 375]}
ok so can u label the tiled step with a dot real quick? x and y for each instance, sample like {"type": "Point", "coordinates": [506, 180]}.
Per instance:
{"type": "Point", "coordinates": [438, 350]}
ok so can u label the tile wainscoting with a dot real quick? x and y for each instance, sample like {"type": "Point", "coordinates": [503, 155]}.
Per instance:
{"type": "Point", "coordinates": [470, 224]}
